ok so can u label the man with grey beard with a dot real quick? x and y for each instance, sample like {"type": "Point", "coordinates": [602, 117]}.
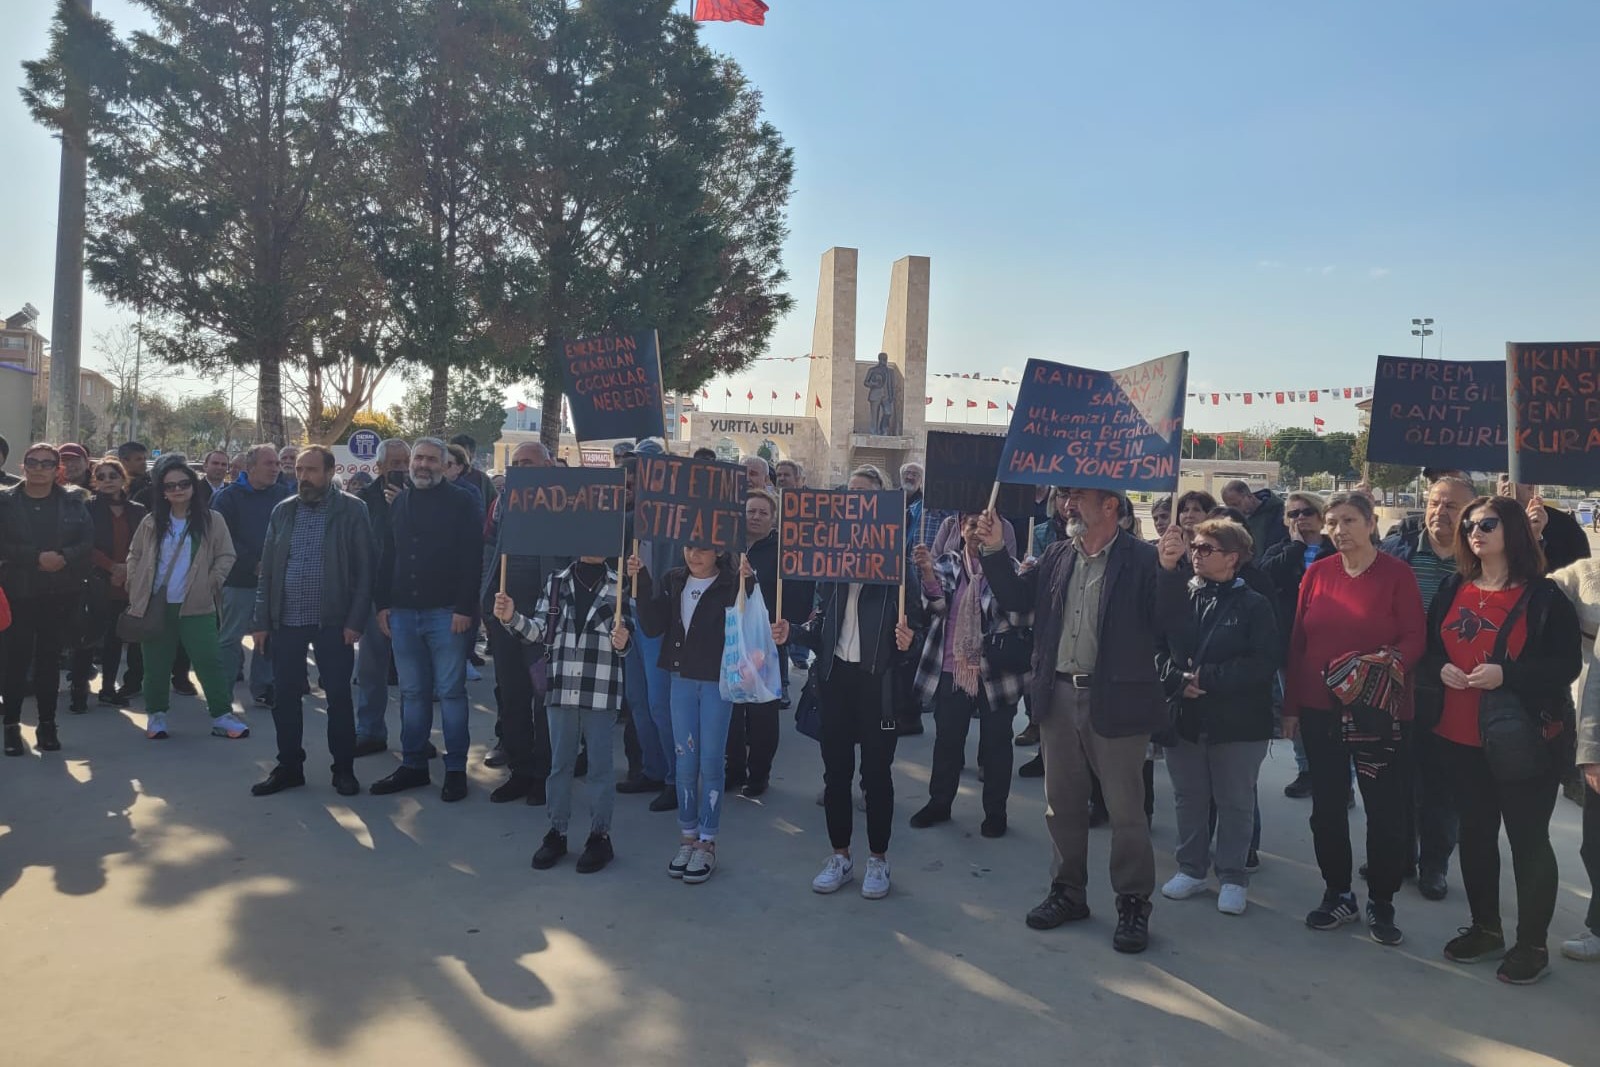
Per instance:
{"type": "Point", "coordinates": [315, 590]}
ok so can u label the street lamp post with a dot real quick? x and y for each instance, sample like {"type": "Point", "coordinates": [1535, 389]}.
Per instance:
{"type": "Point", "coordinates": [1421, 330]}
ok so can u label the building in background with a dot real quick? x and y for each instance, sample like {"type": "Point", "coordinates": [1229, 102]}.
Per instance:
{"type": "Point", "coordinates": [22, 344]}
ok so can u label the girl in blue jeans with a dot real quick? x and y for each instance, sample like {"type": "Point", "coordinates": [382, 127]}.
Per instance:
{"type": "Point", "coordinates": [688, 608]}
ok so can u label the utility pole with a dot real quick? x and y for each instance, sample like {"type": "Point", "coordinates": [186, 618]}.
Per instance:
{"type": "Point", "coordinates": [138, 351]}
{"type": "Point", "coordinates": [1420, 329]}
{"type": "Point", "coordinates": [66, 309]}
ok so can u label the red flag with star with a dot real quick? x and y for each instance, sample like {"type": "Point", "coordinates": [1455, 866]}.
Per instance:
{"type": "Point", "coordinates": [753, 12]}
{"type": "Point", "coordinates": [972, 403]}
{"type": "Point", "coordinates": [819, 402]}
{"type": "Point", "coordinates": [993, 406]}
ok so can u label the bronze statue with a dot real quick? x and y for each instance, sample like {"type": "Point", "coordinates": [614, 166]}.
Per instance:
{"type": "Point", "coordinates": [881, 397]}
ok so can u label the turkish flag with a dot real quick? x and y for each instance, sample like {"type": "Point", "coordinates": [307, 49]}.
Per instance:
{"type": "Point", "coordinates": [1347, 394]}
{"type": "Point", "coordinates": [1010, 408]}
{"type": "Point", "coordinates": [1280, 398]}
{"type": "Point", "coordinates": [684, 419]}
{"type": "Point", "coordinates": [1248, 399]}
{"type": "Point", "coordinates": [1268, 444]}
{"type": "Point", "coordinates": [993, 406]}
{"type": "Point", "coordinates": [774, 394]}
{"type": "Point", "coordinates": [972, 403]}
{"type": "Point", "coordinates": [797, 396]}
{"type": "Point", "coordinates": [1221, 440]}
{"type": "Point", "coordinates": [949, 403]}
{"type": "Point", "coordinates": [753, 12]}
{"type": "Point", "coordinates": [705, 394]}
{"type": "Point", "coordinates": [1313, 396]}
{"type": "Point", "coordinates": [521, 406]}
{"type": "Point", "coordinates": [927, 400]}
{"type": "Point", "coordinates": [819, 402]}
{"type": "Point", "coordinates": [1214, 399]}
{"type": "Point", "coordinates": [1194, 439]}
{"type": "Point", "coordinates": [751, 395]}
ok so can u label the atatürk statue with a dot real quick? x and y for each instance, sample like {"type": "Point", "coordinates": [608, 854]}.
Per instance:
{"type": "Point", "coordinates": [881, 396]}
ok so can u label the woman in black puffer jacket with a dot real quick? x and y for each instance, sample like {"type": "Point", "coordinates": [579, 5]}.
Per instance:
{"type": "Point", "coordinates": [1217, 664]}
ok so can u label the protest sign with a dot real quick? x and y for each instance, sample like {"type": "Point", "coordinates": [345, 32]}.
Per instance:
{"type": "Point", "coordinates": [1554, 411]}
{"type": "Point", "coordinates": [960, 475]}
{"type": "Point", "coordinates": [843, 535]}
{"type": "Point", "coordinates": [613, 386]}
{"type": "Point", "coordinates": [1094, 429]}
{"type": "Point", "coordinates": [1439, 413]}
{"type": "Point", "coordinates": [563, 511]}
{"type": "Point", "coordinates": [694, 502]}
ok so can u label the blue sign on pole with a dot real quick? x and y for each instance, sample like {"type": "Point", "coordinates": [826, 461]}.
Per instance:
{"type": "Point", "coordinates": [363, 445]}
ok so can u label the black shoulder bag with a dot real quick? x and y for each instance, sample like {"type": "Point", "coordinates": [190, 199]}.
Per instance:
{"type": "Point", "coordinates": [1513, 742]}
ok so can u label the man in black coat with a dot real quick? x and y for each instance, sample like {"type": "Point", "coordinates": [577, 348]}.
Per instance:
{"type": "Point", "coordinates": [1096, 696]}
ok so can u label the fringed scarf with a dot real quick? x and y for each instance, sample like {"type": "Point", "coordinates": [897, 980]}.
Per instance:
{"type": "Point", "coordinates": [968, 622]}
{"type": "Point", "coordinates": [1370, 690]}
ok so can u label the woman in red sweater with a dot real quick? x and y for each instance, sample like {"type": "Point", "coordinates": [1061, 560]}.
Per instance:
{"type": "Point", "coordinates": [1357, 602]}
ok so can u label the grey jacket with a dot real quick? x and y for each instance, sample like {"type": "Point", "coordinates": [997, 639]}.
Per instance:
{"type": "Point", "coordinates": [347, 563]}
{"type": "Point", "coordinates": [1589, 716]}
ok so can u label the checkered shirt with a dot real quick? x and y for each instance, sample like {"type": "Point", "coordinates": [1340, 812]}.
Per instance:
{"type": "Point", "coordinates": [1003, 690]}
{"type": "Point", "coordinates": [585, 671]}
{"type": "Point", "coordinates": [302, 574]}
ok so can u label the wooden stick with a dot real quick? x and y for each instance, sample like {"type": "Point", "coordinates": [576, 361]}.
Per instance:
{"type": "Point", "coordinates": [503, 559]}
{"type": "Point", "coordinates": [739, 571]}
{"type": "Point", "coordinates": [1027, 548]}
{"type": "Point", "coordinates": [905, 558]}
{"type": "Point", "coordinates": [777, 609]}
{"type": "Point", "coordinates": [634, 591]}
{"type": "Point", "coordinates": [622, 565]}
{"type": "Point", "coordinates": [994, 496]}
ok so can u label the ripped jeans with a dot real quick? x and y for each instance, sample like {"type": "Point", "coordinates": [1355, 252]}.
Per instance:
{"type": "Point", "coordinates": [700, 720]}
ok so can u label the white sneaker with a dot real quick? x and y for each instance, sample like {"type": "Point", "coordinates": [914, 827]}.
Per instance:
{"type": "Point", "coordinates": [156, 728]}
{"type": "Point", "coordinates": [1181, 887]}
{"type": "Point", "coordinates": [875, 884]}
{"type": "Point", "coordinates": [680, 860]}
{"type": "Point", "coordinates": [1585, 947]}
{"type": "Point", "coordinates": [701, 864]}
{"type": "Point", "coordinates": [835, 873]}
{"type": "Point", "coordinates": [1231, 899]}
{"type": "Point", "coordinates": [230, 726]}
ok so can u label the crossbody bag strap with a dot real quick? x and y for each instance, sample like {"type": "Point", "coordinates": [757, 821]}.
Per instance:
{"type": "Point", "coordinates": [1503, 640]}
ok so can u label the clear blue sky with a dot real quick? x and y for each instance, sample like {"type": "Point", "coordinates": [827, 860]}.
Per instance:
{"type": "Point", "coordinates": [1278, 188]}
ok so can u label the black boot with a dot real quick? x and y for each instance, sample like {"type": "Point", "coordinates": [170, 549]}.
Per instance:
{"type": "Point", "coordinates": [78, 700]}
{"type": "Point", "coordinates": [14, 745]}
{"type": "Point", "coordinates": [45, 737]}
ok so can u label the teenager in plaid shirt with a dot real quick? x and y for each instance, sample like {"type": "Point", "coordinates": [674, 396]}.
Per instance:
{"type": "Point", "coordinates": [576, 618]}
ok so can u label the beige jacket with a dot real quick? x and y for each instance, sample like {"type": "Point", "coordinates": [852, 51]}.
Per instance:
{"type": "Point", "coordinates": [208, 567]}
{"type": "Point", "coordinates": [1581, 583]}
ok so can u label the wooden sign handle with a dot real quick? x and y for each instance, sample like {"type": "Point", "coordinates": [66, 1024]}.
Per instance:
{"type": "Point", "coordinates": [634, 589]}
{"type": "Point", "coordinates": [503, 559]}
{"type": "Point", "coordinates": [777, 608]}
{"type": "Point", "coordinates": [1027, 548]}
{"type": "Point", "coordinates": [622, 565]}
{"type": "Point", "coordinates": [739, 571]}
{"type": "Point", "coordinates": [994, 496]}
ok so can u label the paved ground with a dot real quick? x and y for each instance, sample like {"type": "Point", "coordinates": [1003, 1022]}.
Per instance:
{"type": "Point", "coordinates": [152, 911]}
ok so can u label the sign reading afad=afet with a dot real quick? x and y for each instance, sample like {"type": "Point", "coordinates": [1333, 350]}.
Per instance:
{"type": "Point", "coordinates": [843, 535]}
{"type": "Point", "coordinates": [613, 386]}
{"type": "Point", "coordinates": [1439, 413]}
{"type": "Point", "coordinates": [1094, 429]}
{"type": "Point", "coordinates": [694, 502]}
{"type": "Point", "coordinates": [1555, 411]}
{"type": "Point", "coordinates": [564, 511]}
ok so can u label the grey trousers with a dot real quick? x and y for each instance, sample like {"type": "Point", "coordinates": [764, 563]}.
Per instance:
{"type": "Point", "coordinates": [1071, 749]}
{"type": "Point", "coordinates": [567, 727]}
{"type": "Point", "coordinates": [1203, 773]}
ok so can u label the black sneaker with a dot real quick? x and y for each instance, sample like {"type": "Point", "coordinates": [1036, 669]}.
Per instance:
{"type": "Point", "coordinates": [1300, 788]}
{"type": "Point", "coordinates": [45, 738]}
{"type": "Point", "coordinates": [1335, 910]}
{"type": "Point", "coordinates": [1524, 965]}
{"type": "Point", "coordinates": [516, 787]}
{"type": "Point", "coordinates": [403, 778]}
{"type": "Point", "coordinates": [596, 853]}
{"type": "Point", "coordinates": [112, 698]}
{"type": "Point", "coordinates": [1474, 944]}
{"type": "Point", "coordinates": [277, 780]}
{"type": "Point", "coordinates": [1034, 768]}
{"type": "Point", "coordinates": [930, 815]}
{"type": "Point", "coordinates": [455, 786]}
{"type": "Point", "coordinates": [1433, 885]}
{"type": "Point", "coordinates": [993, 826]}
{"type": "Point", "coordinates": [551, 850]}
{"type": "Point", "coordinates": [1133, 924]}
{"type": "Point", "coordinates": [1056, 908]}
{"type": "Point", "coordinates": [1380, 923]}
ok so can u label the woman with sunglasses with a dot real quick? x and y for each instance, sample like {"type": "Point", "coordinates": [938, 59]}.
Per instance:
{"type": "Point", "coordinates": [1358, 609]}
{"type": "Point", "coordinates": [115, 518]}
{"type": "Point", "coordinates": [1217, 662]}
{"type": "Point", "coordinates": [176, 566]}
{"type": "Point", "coordinates": [44, 543]}
{"type": "Point", "coordinates": [1285, 565]}
{"type": "Point", "coordinates": [1498, 623]}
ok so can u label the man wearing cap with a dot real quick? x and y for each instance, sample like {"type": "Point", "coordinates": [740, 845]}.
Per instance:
{"type": "Point", "coordinates": [74, 465]}
{"type": "Point", "coordinates": [1096, 697]}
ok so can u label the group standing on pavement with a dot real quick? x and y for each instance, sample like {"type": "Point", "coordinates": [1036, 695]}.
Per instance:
{"type": "Point", "coordinates": [1431, 671]}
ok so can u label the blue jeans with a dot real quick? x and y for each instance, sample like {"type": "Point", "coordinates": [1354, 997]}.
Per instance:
{"type": "Point", "coordinates": [372, 682]}
{"type": "Point", "coordinates": [432, 662]}
{"type": "Point", "coordinates": [657, 684]}
{"type": "Point", "coordinates": [700, 720]}
{"type": "Point", "coordinates": [237, 607]}
{"type": "Point", "coordinates": [649, 722]}
{"type": "Point", "coordinates": [594, 728]}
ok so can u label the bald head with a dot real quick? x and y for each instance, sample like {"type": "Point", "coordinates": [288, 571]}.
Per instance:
{"type": "Point", "coordinates": [530, 454]}
{"type": "Point", "coordinates": [1237, 494]}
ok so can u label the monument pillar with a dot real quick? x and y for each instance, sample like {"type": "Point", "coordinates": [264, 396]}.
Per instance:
{"type": "Point", "coordinates": [905, 339]}
{"type": "Point", "coordinates": [833, 364]}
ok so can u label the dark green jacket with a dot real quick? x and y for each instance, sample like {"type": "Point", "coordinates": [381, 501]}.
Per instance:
{"type": "Point", "coordinates": [347, 564]}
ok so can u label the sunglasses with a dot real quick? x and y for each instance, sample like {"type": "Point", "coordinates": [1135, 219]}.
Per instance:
{"type": "Point", "coordinates": [1203, 551]}
{"type": "Point", "coordinates": [175, 487]}
{"type": "Point", "coordinates": [108, 476]}
{"type": "Point", "coordinates": [1301, 513]}
{"type": "Point", "coordinates": [1489, 525]}
{"type": "Point", "coordinates": [41, 464]}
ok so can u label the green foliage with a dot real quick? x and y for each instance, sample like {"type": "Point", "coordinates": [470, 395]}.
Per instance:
{"type": "Point", "coordinates": [1379, 475]}
{"type": "Point", "coordinates": [476, 407]}
{"type": "Point", "coordinates": [381, 423]}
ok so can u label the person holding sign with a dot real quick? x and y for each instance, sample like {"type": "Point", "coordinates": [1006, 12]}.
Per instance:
{"type": "Point", "coordinates": [578, 621]}
{"type": "Point", "coordinates": [855, 632]}
{"type": "Point", "coordinates": [961, 679]}
{"type": "Point", "coordinates": [1096, 697]}
{"type": "Point", "coordinates": [690, 610]}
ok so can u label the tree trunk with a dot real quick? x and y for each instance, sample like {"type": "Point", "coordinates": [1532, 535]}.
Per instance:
{"type": "Point", "coordinates": [550, 415]}
{"type": "Point", "coordinates": [439, 401]}
{"type": "Point", "coordinates": [66, 310]}
{"type": "Point", "coordinates": [269, 395]}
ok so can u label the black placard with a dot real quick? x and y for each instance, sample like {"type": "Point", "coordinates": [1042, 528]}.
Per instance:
{"type": "Point", "coordinates": [563, 511]}
{"type": "Point", "coordinates": [694, 502]}
{"type": "Point", "coordinates": [960, 475]}
{"type": "Point", "coordinates": [843, 535]}
{"type": "Point", "coordinates": [613, 386]}
{"type": "Point", "coordinates": [1439, 413]}
{"type": "Point", "coordinates": [1555, 388]}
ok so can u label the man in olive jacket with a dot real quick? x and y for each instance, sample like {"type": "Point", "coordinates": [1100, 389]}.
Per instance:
{"type": "Point", "coordinates": [1096, 696]}
{"type": "Point", "coordinates": [315, 589]}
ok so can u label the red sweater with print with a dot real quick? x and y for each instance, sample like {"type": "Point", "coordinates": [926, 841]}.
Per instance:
{"type": "Point", "coordinates": [1338, 614]}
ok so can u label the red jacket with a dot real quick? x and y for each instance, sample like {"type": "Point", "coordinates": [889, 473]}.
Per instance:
{"type": "Point", "coordinates": [1338, 614]}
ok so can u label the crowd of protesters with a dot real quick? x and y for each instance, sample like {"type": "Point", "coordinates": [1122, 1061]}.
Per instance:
{"type": "Point", "coordinates": [1429, 670]}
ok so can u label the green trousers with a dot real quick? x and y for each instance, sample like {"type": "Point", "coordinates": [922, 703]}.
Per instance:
{"type": "Point", "coordinates": [199, 636]}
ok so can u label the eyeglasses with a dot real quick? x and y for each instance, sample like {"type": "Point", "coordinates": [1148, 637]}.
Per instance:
{"type": "Point", "coordinates": [1203, 550]}
{"type": "Point", "coordinates": [175, 487]}
{"type": "Point", "coordinates": [41, 464]}
{"type": "Point", "coordinates": [1488, 525]}
{"type": "Point", "coordinates": [108, 476]}
{"type": "Point", "coordinates": [1302, 513]}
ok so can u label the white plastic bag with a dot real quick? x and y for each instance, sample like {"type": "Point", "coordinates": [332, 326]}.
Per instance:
{"type": "Point", "coordinates": [749, 656]}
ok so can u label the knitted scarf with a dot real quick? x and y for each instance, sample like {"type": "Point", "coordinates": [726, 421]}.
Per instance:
{"type": "Point", "coordinates": [968, 623]}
